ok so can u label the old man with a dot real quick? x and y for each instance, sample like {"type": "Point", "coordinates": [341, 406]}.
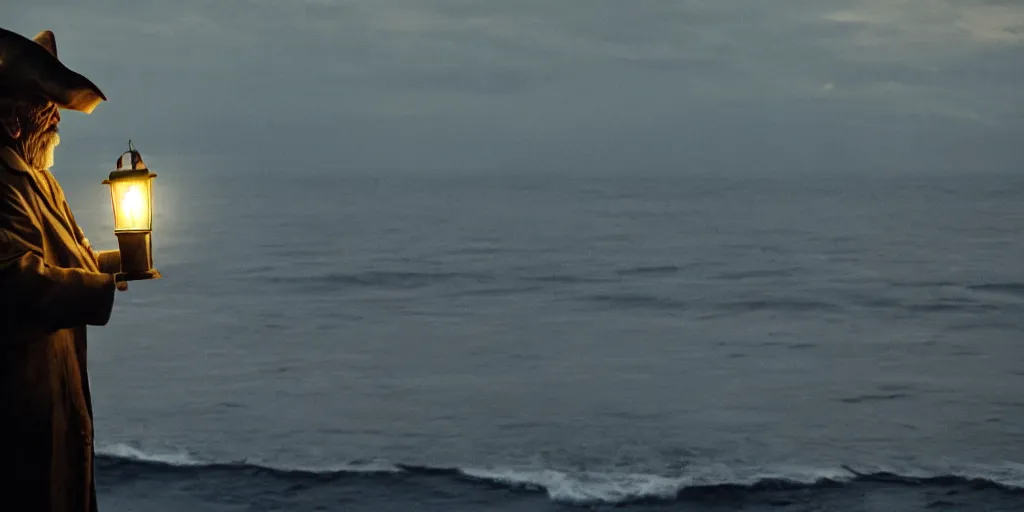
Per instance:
{"type": "Point", "coordinates": [52, 285]}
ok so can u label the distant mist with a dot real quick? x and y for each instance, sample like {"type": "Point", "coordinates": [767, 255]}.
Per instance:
{"type": "Point", "coordinates": [539, 86]}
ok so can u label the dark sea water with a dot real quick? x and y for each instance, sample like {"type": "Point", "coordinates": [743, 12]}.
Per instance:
{"type": "Point", "coordinates": [561, 342]}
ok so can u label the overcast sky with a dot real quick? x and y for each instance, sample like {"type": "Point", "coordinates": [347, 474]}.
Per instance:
{"type": "Point", "coordinates": [546, 85]}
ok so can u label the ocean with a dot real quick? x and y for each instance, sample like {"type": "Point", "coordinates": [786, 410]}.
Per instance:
{"type": "Point", "coordinates": [564, 341]}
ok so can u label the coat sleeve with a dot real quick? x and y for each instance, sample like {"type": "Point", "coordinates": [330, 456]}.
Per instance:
{"type": "Point", "coordinates": [108, 261]}
{"type": "Point", "coordinates": [32, 290]}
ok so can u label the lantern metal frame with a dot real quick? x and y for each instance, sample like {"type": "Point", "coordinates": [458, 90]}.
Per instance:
{"type": "Point", "coordinates": [135, 245]}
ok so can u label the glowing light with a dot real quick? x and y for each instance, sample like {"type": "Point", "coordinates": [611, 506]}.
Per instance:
{"type": "Point", "coordinates": [132, 209]}
{"type": "Point", "coordinates": [133, 204]}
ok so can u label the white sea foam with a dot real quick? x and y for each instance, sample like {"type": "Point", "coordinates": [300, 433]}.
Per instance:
{"type": "Point", "coordinates": [598, 487]}
{"type": "Point", "coordinates": [124, 451]}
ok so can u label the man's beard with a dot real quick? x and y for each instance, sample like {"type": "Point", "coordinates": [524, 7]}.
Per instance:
{"type": "Point", "coordinates": [39, 148]}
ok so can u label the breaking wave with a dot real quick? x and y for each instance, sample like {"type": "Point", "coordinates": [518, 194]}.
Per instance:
{"type": "Point", "coordinates": [562, 486]}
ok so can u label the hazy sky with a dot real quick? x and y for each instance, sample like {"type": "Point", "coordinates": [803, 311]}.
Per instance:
{"type": "Point", "coordinates": [546, 85]}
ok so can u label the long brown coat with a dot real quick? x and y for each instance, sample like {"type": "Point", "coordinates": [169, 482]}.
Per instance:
{"type": "Point", "coordinates": [51, 287]}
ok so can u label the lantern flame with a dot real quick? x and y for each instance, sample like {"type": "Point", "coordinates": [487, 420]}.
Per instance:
{"type": "Point", "coordinates": [134, 206]}
{"type": "Point", "coordinates": [132, 209]}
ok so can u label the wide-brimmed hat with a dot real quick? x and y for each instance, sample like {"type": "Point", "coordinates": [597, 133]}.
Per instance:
{"type": "Point", "coordinates": [31, 65]}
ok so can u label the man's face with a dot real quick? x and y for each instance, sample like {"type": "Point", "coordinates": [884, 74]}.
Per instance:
{"type": "Point", "coordinates": [48, 134]}
{"type": "Point", "coordinates": [40, 134]}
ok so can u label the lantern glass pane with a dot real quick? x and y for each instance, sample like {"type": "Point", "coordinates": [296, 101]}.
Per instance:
{"type": "Point", "coordinates": [133, 204]}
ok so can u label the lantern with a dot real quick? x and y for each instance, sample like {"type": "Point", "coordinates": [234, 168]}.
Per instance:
{"type": "Point", "coordinates": [131, 195]}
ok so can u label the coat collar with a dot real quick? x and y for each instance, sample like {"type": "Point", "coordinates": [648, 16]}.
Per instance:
{"type": "Point", "coordinates": [52, 200]}
{"type": "Point", "coordinates": [13, 161]}
{"type": "Point", "coordinates": [46, 189]}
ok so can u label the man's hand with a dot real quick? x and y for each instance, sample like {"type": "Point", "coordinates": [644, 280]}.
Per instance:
{"type": "Point", "coordinates": [120, 282]}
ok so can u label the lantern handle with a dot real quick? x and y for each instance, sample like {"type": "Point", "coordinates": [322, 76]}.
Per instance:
{"type": "Point", "coordinates": [135, 158]}
{"type": "Point", "coordinates": [134, 154]}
